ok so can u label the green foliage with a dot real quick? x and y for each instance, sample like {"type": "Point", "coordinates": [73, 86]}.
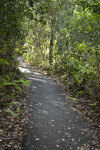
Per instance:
{"type": "Point", "coordinates": [25, 82]}
{"type": "Point", "coordinates": [12, 14]}
{"type": "Point", "coordinates": [75, 35]}
{"type": "Point", "coordinates": [94, 104]}
{"type": "Point", "coordinates": [62, 37]}
{"type": "Point", "coordinates": [93, 5]}
{"type": "Point", "coordinates": [3, 61]}
{"type": "Point", "coordinates": [9, 84]}
{"type": "Point", "coordinates": [9, 111]}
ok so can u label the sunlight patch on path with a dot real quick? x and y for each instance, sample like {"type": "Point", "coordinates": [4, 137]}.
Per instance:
{"type": "Point", "coordinates": [24, 70]}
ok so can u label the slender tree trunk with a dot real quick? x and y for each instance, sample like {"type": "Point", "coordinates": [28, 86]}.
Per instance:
{"type": "Point", "coordinates": [51, 40]}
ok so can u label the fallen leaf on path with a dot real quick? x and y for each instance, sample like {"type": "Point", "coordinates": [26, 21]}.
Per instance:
{"type": "Point", "coordinates": [37, 139]}
{"type": "Point", "coordinates": [57, 145]}
{"type": "Point", "coordinates": [63, 139]}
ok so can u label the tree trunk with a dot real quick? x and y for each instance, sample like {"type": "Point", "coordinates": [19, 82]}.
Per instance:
{"type": "Point", "coordinates": [51, 40]}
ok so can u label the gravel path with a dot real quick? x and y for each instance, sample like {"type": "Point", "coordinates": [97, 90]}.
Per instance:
{"type": "Point", "coordinates": [53, 124]}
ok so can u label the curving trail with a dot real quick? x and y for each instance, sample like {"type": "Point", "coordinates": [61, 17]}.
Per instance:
{"type": "Point", "coordinates": [53, 124]}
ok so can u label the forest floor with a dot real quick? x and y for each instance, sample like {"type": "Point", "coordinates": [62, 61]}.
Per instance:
{"type": "Point", "coordinates": [53, 123]}
{"type": "Point", "coordinates": [11, 127]}
{"type": "Point", "coordinates": [13, 115]}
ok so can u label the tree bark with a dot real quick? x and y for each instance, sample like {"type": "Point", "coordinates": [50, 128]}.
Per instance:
{"type": "Point", "coordinates": [51, 40]}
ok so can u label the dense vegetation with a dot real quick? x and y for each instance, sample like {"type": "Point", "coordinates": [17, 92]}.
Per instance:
{"type": "Point", "coordinates": [60, 36]}
{"type": "Point", "coordinates": [12, 95]}
{"type": "Point", "coordinates": [64, 39]}
{"type": "Point", "coordinates": [11, 36]}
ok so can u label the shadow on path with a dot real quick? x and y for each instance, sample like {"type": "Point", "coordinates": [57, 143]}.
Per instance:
{"type": "Point", "coordinates": [53, 124]}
